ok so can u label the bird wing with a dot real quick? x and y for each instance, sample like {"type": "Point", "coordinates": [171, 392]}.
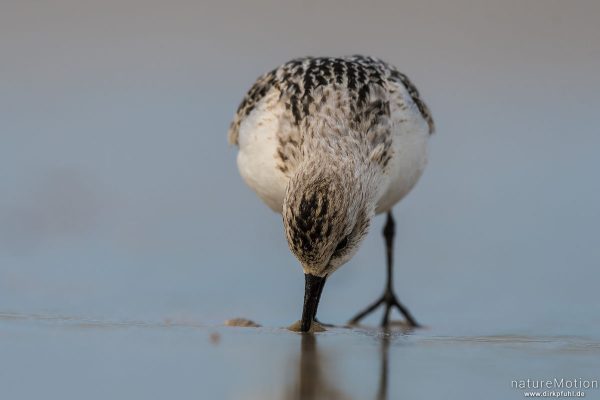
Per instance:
{"type": "Point", "coordinates": [398, 78]}
{"type": "Point", "coordinates": [263, 85]}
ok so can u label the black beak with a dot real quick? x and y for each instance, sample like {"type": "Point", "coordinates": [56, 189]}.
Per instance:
{"type": "Point", "coordinates": [313, 288]}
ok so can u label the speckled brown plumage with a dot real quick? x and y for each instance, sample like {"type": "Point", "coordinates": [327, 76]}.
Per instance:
{"type": "Point", "coordinates": [355, 91]}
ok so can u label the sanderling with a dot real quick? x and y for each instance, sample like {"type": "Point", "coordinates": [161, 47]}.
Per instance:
{"type": "Point", "coordinates": [329, 143]}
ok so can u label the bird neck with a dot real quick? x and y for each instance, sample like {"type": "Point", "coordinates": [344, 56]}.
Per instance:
{"type": "Point", "coordinates": [345, 169]}
{"type": "Point", "coordinates": [329, 142]}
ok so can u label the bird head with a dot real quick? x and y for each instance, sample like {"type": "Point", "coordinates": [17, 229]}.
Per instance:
{"type": "Point", "coordinates": [327, 210]}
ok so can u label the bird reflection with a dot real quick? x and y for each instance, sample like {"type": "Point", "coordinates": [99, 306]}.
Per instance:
{"type": "Point", "coordinates": [313, 380]}
{"type": "Point", "coordinates": [382, 392]}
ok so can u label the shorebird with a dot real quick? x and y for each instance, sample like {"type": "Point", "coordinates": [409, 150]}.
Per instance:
{"type": "Point", "coordinates": [329, 143]}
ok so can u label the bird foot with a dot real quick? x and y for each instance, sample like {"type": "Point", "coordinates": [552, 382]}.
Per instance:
{"type": "Point", "coordinates": [389, 301]}
{"type": "Point", "coordinates": [324, 324]}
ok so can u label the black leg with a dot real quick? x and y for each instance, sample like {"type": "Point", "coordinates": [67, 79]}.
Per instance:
{"type": "Point", "coordinates": [388, 298]}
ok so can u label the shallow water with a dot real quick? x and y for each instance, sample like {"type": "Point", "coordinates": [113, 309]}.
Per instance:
{"type": "Point", "coordinates": [55, 356]}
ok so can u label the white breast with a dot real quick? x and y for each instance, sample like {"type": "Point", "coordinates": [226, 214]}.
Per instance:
{"type": "Point", "coordinates": [257, 150]}
{"type": "Point", "coordinates": [410, 138]}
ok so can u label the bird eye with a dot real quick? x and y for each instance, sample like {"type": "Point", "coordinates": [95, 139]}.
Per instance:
{"type": "Point", "coordinates": [341, 245]}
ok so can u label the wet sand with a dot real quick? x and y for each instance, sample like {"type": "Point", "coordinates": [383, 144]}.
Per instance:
{"type": "Point", "coordinates": [53, 356]}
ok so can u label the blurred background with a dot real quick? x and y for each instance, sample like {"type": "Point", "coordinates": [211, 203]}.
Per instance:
{"type": "Point", "coordinates": [120, 198]}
